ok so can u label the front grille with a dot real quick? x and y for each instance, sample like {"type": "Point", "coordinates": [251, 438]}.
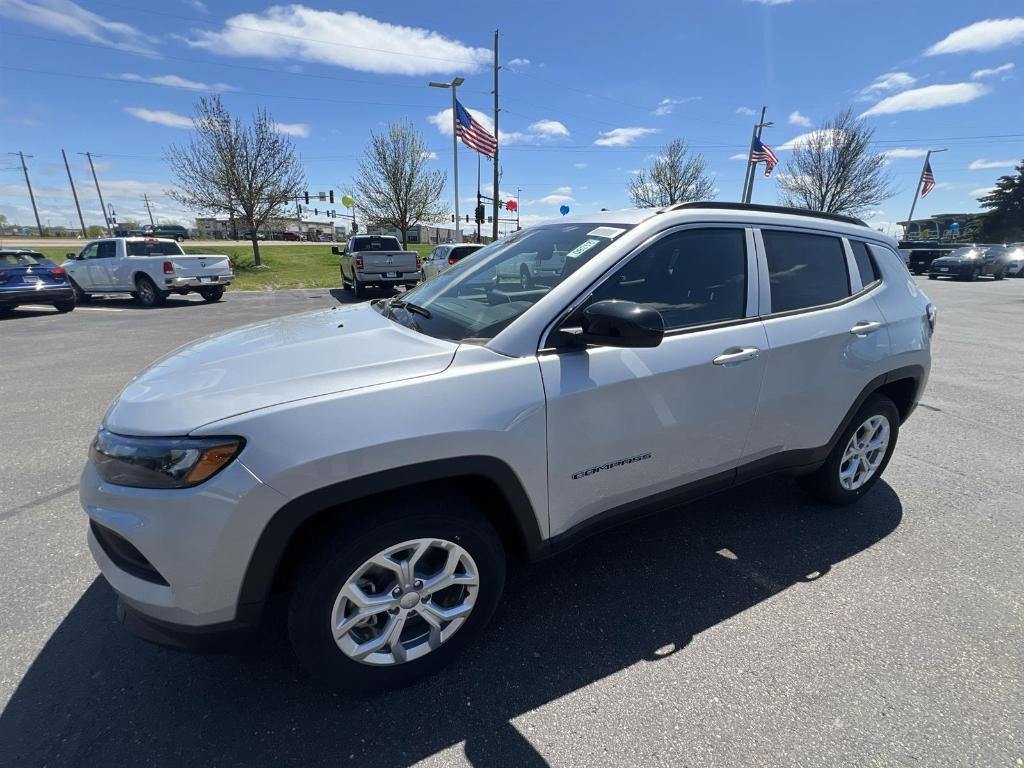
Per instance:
{"type": "Point", "coordinates": [125, 555]}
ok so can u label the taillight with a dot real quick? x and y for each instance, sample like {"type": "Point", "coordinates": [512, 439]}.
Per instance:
{"type": "Point", "coordinates": [451, 259]}
{"type": "Point", "coordinates": [417, 261]}
{"type": "Point", "coordinates": [3, 276]}
{"type": "Point", "coordinates": [933, 316]}
{"type": "Point", "coordinates": [168, 268]}
{"type": "Point", "coordinates": [57, 272]}
{"type": "Point", "coordinates": [231, 264]}
{"type": "Point", "coordinates": [359, 262]}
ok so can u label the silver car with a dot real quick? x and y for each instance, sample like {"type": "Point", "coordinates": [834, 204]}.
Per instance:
{"type": "Point", "coordinates": [447, 255]}
{"type": "Point", "coordinates": [377, 464]}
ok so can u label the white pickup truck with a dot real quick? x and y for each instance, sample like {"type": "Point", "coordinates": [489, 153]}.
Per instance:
{"type": "Point", "coordinates": [149, 268]}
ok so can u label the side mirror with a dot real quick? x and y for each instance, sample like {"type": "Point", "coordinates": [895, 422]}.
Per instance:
{"type": "Point", "coordinates": [615, 323]}
{"type": "Point", "coordinates": [336, 250]}
{"type": "Point", "coordinates": [70, 256]}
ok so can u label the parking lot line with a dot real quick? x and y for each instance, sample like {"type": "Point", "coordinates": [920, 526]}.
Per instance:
{"type": "Point", "coordinates": [77, 309]}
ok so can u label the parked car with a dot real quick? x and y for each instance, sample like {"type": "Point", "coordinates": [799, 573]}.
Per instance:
{"type": "Point", "coordinates": [376, 261]}
{"type": "Point", "coordinates": [681, 352]}
{"type": "Point", "coordinates": [173, 231]}
{"type": "Point", "coordinates": [444, 256]}
{"type": "Point", "coordinates": [28, 277]}
{"type": "Point", "coordinates": [1015, 260]}
{"type": "Point", "coordinates": [147, 267]}
{"type": "Point", "coordinates": [919, 254]}
{"type": "Point", "coordinates": [971, 262]}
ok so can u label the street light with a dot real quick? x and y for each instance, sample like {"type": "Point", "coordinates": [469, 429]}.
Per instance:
{"type": "Point", "coordinates": [454, 84]}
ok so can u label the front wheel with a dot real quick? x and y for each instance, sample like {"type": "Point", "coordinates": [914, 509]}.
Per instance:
{"type": "Point", "coordinates": [999, 274]}
{"type": "Point", "coordinates": [64, 306]}
{"type": "Point", "coordinates": [215, 293]}
{"type": "Point", "coordinates": [860, 456]}
{"type": "Point", "coordinates": [974, 275]}
{"type": "Point", "coordinates": [397, 595]}
{"type": "Point", "coordinates": [180, 238]}
{"type": "Point", "coordinates": [933, 277]}
{"type": "Point", "coordinates": [81, 297]}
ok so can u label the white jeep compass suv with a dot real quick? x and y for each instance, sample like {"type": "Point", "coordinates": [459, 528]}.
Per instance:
{"type": "Point", "coordinates": [376, 464]}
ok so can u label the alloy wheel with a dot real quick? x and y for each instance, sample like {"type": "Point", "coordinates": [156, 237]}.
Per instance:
{"type": "Point", "coordinates": [405, 602]}
{"type": "Point", "coordinates": [864, 453]}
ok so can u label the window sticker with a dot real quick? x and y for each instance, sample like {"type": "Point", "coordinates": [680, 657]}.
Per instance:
{"type": "Point", "coordinates": [610, 232]}
{"type": "Point", "coordinates": [582, 248]}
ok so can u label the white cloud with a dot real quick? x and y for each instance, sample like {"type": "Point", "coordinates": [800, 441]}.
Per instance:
{"type": "Point", "coordinates": [984, 35]}
{"type": "Point", "coordinates": [174, 81]}
{"type": "Point", "coordinates": [293, 129]}
{"type": "Point", "coordinates": [746, 111]}
{"type": "Point", "coordinates": [900, 152]}
{"type": "Point", "coordinates": [739, 156]}
{"type": "Point", "coordinates": [71, 19]}
{"type": "Point", "coordinates": [517, 65]}
{"type": "Point", "coordinates": [160, 117]}
{"type": "Point", "coordinates": [579, 165]}
{"type": "Point", "coordinates": [430, 155]}
{"type": "Point", "coordinates": [1002, 69]}
{"type": "Point", "coordinates": [795, 118]}
{"type": "Point", "coordinates": [622, 137]}
{"type": "Point", "coordinates": [770, 2]}
{"type": "Point", "coordinates": [929, 97]}
{"type": "Point", "coordinates": [803, 138]}
{"type": "Point", "coordinates": [981, 191]}
{"type": "Point", "coordinates": [198, 5]}
{"type": "Point", "coordinates": [557, 196]}
{"type": "Point", "coordinates": [981, 165]}
{"type": "Point", "coordinates": [890, 81]}
{"type": "Point", "coordinates": [549, 128]}
{"type": "Point", "coordinates": [668, 106]}
{"type": "Point", "coordinates": [347, 39]}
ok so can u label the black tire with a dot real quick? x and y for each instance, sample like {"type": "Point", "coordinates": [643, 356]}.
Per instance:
{"type": "Point", "coordinates": [933, 277]}
{"type": "Point", "coordinates": [525, 278]}
{"type": "Point", "coordinates": [180, 238]}
{"type": "Point", "coordinates": [328, 567]}
{"type": "Point", "coordinates": [345, 284]}
{"type": "Point", "coordinates": [824, 483]}
{"type": "Point", "coordinates": [64, 306]}
{"type": "Point", "coordinates": [148, 294]}
{"type": "Point", "coordinates": [974, 275]}
{"type": "Point", "coordinates": [216, 293]}
{"type": "Point", "coordinates": [81, 297]}
{"type": "Point", "coordinates": [999, 274]}
{"type": "Point", "coordinates": [358, 290]}
{"type": "Point", "coordinates": [918, 271]}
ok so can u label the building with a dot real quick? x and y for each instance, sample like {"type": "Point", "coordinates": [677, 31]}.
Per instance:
{"type": "Point", "coordinates": [420, 233]}
{"type": "Point", "coordinates": [939, 226]}
{"type": "Point", "coordinates": [220, 229]}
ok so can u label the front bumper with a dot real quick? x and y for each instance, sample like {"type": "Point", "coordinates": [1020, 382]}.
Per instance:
{"type": "Point", "coordinates": [195, 545]}
{"type": "Point", "coordinates": [195, 282]}
{"type": "Point", "coordinates": [48, 295]}
{"type": "Point", "coordinates": [951, 269]}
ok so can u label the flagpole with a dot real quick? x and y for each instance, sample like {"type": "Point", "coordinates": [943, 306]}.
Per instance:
{"type": "Point", "coordinates": [455, 164]}
{"type": "Point", "coordinates": [750, 162]}
{"type": "Point", "coordinates": [752, 167]}
{"type": "Point", "coordinates": [495, 193]}
{"type": "Point", "coordinates": [917, 191]}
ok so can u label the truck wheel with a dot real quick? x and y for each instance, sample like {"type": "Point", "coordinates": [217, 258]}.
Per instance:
{"type": "Point", "coordinates": [212, 294]}
{"type": "Point", "coordinates": [64, 306]}
{"type": "Point", "coordinates": [81, 296]}
{"type": "Point", "coordinates": [345, 284]}
{"type": "Point", "coordinates": [525, 279]}
{"type": "Point", "coordinates": [859, 457]}
{"type": "Point", "coordinates": [149, 294]}
{"type": "Point", "coordinates": [396, 595]}
{"type": "Point", "coordinates": [357, 288]}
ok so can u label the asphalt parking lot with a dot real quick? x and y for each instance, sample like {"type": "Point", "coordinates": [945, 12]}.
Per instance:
{"type": "Point", "coordinates": [752, 628]}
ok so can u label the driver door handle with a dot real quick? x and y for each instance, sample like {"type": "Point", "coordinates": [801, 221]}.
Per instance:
{"type": "Point", "coordinates": [736, 355]}
{"type": "Point", "coordinates": [863, 328]}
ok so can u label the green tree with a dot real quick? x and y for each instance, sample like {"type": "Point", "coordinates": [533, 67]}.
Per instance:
{"type": "Point", "coordinates": [95, 230]}
{"type": "Point", "coordinates": [1004, 221]}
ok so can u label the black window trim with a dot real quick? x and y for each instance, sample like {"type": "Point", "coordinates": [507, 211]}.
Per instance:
{"type": "Point", "coordinates": [752, 281]}
{"type": "Point", "coordinates": [871, 258]}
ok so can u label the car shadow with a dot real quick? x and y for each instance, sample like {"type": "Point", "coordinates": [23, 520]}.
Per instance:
{"type": "Point", "coordinates": [97, 696]}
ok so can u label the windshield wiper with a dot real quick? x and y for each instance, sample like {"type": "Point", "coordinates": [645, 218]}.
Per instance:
{"type": "Point", "coordinates": [410, 307]}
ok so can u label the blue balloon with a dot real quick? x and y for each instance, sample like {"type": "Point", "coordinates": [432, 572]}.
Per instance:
{"type": "Point", "coordinates": [563, 210]}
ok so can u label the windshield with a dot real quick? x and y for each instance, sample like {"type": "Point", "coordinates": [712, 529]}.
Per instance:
{"type": "Point", "coordinates": [154, 248]}
{"type": "Point", "coordinates": [19, 259]}
{"type": "Point", "coordinates": [487, 290]}
{"type": "Point", "coordinates": [374, 244]}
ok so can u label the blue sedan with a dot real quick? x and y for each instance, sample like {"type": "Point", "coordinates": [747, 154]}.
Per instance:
{"type": "Point", "coordinates": [27, 277]}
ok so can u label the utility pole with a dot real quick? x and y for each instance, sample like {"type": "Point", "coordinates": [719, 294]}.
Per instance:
{"type": "Point", "coordinates": [74, 192]}
{"type": "Point", "coordinates": [496, 195]}
{"type": "Point", "coordinates": [917, 191]}
{"type": "Point", "coordinates": [748, 184]}
{"type": "Point", "coordinates": [454, 84]}
{"type": "Point", "coordinates": [148, 209]}
{"type": "Point", "coordinates": [28, 183]}
{"type": "Point", "coordinates": [519, 206]}
{"type": "Point", "coordinates": [103, 207]}
{"type": "Point", "coordinates": [476, 210]}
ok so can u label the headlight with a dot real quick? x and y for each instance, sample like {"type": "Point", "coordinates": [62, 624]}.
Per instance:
{"type": "Point", "coordinates": [161, 462]}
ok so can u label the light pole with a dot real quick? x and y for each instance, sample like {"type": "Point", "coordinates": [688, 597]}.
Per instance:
{"type": "Point", "coordinates": [917, 191]}
{"type": "Point", "coordinates": [454, 84]}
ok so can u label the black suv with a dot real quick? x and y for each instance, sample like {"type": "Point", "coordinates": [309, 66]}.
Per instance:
{"type": "Point", "coordinates": [971, 262]}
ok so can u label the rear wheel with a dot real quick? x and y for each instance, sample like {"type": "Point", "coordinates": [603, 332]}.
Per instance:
{"type": "Point", "coordinates": [397, 595]}
{"type": "Point", "coordinates": [357, 288]}
{"type": "Point", "coordinates": [64, 306]}
{"type": "Point", "coordinates": [180, 238]}
{"type": "Point", "coordinates": [933, 277]}
{"type": "Point", "coordinates": [149, 295]}
{"type": "Point", "coordinates": [215, 293]}
{"type": "Point", "coordinates": [525, 278]}
{"type": "Point", "coordinates": [860, 456]}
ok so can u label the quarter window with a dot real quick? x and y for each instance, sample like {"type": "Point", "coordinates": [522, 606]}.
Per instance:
{"type": "Point", "coordinates": [692, 277]}
{"type": "Point", "coordinates": [805, 270]}
{"type": "Point", "coordinates": [865, 264]}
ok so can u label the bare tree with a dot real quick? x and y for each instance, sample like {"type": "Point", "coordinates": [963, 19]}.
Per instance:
{"type": "Point", "coordinates": [675, 176]}
{"type": "Point", "coordinates": [835, 170]}
{"type": "Point", "coordinates": [249, 172]}
{"type": "Point", "coordinates": [394, 188]}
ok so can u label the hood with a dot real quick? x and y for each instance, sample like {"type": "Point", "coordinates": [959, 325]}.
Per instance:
{"type": "Point", "coordinates": [273, 362]}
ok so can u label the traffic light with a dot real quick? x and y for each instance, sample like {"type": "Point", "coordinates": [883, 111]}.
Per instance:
{"type": "Point", "coordinates": [480, 213]}
{"type": "Point", "coordinates": [331, 195]}
{"type": "Point", "coordinates": [316, 212]}
{"type": "Point", "coordinates": [306, 195]}
{"type": "Point", "coordinates": [453, 218]}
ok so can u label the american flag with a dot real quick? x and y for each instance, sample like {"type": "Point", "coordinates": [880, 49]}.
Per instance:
{"type": "Point", "coordinates": [927, 179]}
{"type": "Point", "coordinates": [473, 135]}
{"type": "Point", "coordinates": [762, 152]}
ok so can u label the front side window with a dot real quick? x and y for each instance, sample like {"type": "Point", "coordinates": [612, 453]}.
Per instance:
{"type": "Point", "coordinates": [477, 298]}
{"type": "Point", "coordinates": [865, 264]}
{"type": "Point", "coordinates": [805, 270]}
{"type": "Point", "coordinates": [692, 277]}
{"type": "Point", "coordinates": [89, 252]}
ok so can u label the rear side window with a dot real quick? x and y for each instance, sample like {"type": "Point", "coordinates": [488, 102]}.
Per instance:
{"type": "Point", "coordinates": [107, 250]}
{"type": "Point", "coordinates": [805, 270]}
{"type": "Point", "coordinates": [865, 264]}
{"type": "Point", "coordinates": [19, 259]}
{"type": "Point", "coordinates": [460, 253]}
{"type": "Point", "coordinates": [154, 248]}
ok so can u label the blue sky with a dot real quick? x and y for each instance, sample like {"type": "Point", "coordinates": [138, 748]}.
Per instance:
{"type": "Point", "coordinates": [587, 96]}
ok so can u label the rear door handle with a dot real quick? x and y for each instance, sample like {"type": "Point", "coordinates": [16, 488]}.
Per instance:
{"type": "Point", "coordinates": [736, 355]}
{"type": "Point", "coordinates": [864, 327]}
